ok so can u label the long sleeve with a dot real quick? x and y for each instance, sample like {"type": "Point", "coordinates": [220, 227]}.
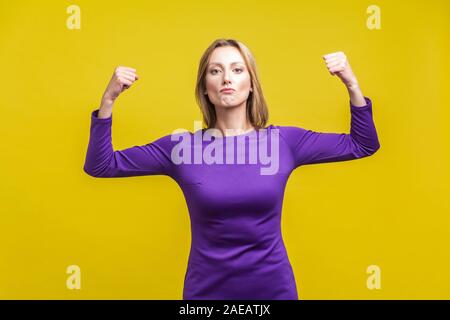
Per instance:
{"type": "Point", "coordinates": [309, 147]}
{"type": "Point", "coordinates": [103, 161]}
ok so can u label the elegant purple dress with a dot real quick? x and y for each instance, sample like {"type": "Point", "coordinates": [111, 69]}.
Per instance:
{"type": "Point", "coordinates": [237, 250]}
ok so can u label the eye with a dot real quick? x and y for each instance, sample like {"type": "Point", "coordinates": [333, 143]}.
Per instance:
{"type": "Point", "coordinates": [239, 69]}
{"type": "Point", "coordinates": [212, 71]}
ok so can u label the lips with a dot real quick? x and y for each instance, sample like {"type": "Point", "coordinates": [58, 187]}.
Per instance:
{"type": "Point", "coordinates": [227, 90]}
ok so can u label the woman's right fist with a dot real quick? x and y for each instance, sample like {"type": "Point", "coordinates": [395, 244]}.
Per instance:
{"type": "Point", "coordinates": [122, 79]}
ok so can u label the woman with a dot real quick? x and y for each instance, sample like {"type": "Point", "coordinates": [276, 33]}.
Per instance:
{"type": "Point", "coordinates": [237, 251]}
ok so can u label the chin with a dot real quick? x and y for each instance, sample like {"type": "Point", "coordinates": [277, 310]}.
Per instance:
{"type": "Point", "coordinates": [229, 106]}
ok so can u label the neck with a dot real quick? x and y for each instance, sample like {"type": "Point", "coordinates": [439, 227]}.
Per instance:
{"type": "Point", "coordinates": [233, 121]}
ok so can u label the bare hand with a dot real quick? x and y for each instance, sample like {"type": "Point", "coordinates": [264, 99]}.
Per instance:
{"type": "Point", "coordinates": [122, 79]}
{"type": "Point", "coordinates": [337, 64]}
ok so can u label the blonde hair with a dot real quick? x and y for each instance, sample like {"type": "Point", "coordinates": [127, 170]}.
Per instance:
{"type": "Point", "coordinates": [257, 111]}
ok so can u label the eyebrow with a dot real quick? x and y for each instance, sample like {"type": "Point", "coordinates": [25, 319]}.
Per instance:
{"type": "Point", "coordinates": [218, 63]}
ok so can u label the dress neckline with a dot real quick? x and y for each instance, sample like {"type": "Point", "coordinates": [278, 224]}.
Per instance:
{"type": "Point", "coordinates": [204, 132]}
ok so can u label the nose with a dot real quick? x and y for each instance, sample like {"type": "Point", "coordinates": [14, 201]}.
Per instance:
{"type": "Point", "coordinates": [226, 77]}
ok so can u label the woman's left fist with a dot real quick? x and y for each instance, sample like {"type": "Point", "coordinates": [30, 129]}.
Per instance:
{"type": "Point", "coordinates": [337, 64]}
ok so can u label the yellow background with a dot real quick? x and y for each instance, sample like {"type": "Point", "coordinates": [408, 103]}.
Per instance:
{"type": "Point", "coordinates": [131, 236]}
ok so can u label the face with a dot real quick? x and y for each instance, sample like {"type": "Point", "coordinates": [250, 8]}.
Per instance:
{"type": "Point", "coordinates": [227, 69]}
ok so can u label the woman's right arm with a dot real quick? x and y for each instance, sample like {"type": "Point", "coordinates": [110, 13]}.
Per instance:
{"type": "Point", "coordinates": [102, 161]}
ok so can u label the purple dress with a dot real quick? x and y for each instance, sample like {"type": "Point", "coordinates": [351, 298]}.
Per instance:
{"type": "Point", "coordinates": [237, 250]}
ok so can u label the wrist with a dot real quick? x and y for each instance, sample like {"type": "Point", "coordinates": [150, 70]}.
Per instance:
{"type": "Point", "coordinates": [106, 103]}
{"type": "Point", "coordinates": [354, 86]}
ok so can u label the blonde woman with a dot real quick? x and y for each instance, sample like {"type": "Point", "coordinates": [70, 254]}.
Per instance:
{"type": "Point", "coordinates": [237, 250]}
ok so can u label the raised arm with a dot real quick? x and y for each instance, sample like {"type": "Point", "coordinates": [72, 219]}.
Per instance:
{"type": "Point", "coordinates": [309, 147]}
{"type": "Point", "coordinates": [102, 160]}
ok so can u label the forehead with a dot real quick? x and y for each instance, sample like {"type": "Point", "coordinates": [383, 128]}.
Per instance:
{"type": "Point", "coordinates": [225, 56]}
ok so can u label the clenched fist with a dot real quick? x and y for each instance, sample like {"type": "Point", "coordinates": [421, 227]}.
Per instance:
{"type": "Point", "coordinates": [122, 79]}
{"type": "Point", "coordinates": [337, 64]}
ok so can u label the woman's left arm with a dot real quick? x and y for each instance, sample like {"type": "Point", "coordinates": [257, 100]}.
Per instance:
{"type": "Point", "coordinates": [309, 147]}
{"type": "Point", "coordinates": [337, 64]}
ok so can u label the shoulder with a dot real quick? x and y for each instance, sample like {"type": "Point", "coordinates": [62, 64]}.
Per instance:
{"type": "Point", "coordinates": [167, 141]}
{"type": "Point", "coordinates": [290, 133]}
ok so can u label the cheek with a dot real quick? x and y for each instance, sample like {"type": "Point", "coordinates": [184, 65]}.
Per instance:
{"type": "Point", "coordinates": [243, 82]}
{"type": "Point", "coordinates": [212, 83]}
